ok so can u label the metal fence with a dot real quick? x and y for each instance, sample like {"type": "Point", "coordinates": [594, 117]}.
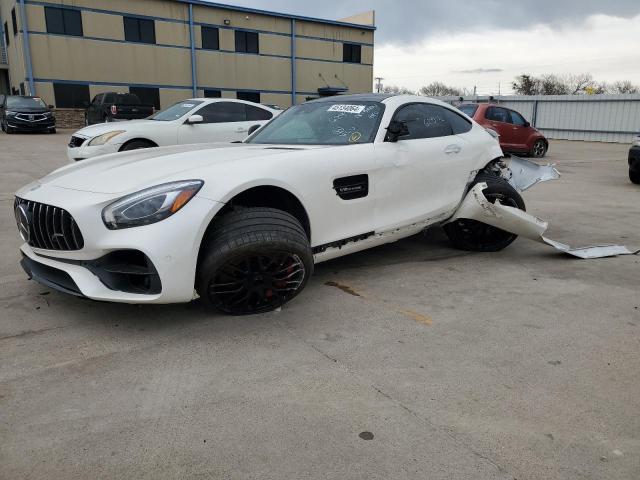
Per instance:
{"type": "Point", "coordinates": [595, 118]}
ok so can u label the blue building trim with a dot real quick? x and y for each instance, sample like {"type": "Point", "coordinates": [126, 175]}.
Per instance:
{"type": "Point", "coordinates": [192, 40]}
{"type": "Point", "coordinates": [173, 87]}
{"type": "Point", "coordinates": [26, 47]}
{"type": "Point", "coordinates": [294, 72]}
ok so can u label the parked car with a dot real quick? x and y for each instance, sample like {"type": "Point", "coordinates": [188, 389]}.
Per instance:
{"type": "Point", "coordinates": [634, 161]}
{"type": "Point", "coordinates": [113, 107]}
{"type": "Point", "coordinates": [243, 224]}
{"type": "Point", "coordinates": [19, 113]}
{"type": "Point", "coordinates": [196, 120]}
{"type": "Point", "coordinates": [516, 134]}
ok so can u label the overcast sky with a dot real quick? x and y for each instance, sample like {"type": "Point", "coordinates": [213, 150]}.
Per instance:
{"type": "Point", "coordinates": [485, 43]}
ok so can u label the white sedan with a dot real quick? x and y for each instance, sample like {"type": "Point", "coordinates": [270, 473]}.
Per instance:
{"type": "Point", "coordinates": [242, 225]}
{"type": "Point", "coordinates": [196, 120]}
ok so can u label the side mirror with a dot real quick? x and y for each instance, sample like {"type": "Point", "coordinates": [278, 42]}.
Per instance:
{"type": "Point", "coordinates": [396, 130]}
{"type": "Point", "coordinates": [50, 107]}
{"type": "Point", "coordinates": [527, 124]}
{"type": "Point", "coordinates": [194, 119]}
{"type": "Point", "coordinates": [253, 128]}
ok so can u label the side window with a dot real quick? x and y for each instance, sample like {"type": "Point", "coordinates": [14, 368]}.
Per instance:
{"type": "Point", "coordinates": [147, 95]}
{"type": "Point", "coordinates": [69, 95]}
{"type": "Point", "coordinates": [424, 121]}
{"type": "Point", "coordinates": [517, 119]}
{"type": "Point", "coordinates": [497, 114]}
{"type": "Point", "coordinates": [222, 112]}
{"type": "Point", "coordinates": [97, 100]}
{"type": "Point", "coordinates": [6, 35]}
{"type": "Point", "coordinates": [63, 21]}
{"type": "Point", "coordinates": [458, 123]}
{"type": "Point", "coordinates": [256, 113]}
{"type": "Point", "coordinates": [14, 21]}
{"type": "Point", "coordinates": [139, 30]}
{"type": "Point", "coordinates": [249, 96]}
{"type": "Point", "coordinates": [210, 38]}
{"type": "Point", "coordinates": [247, 42]}
{"type": "Point", "coordinates": [351, 53]}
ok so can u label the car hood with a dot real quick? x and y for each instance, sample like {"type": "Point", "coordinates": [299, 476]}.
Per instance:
{"type": "Point", "coordinates": [134, 170]}
{"type": "Point", "coordinates": [100, 128]}
{"type": "Point", "coordinates": [28, 110]}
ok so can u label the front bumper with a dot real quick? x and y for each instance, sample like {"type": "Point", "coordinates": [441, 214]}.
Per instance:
{"type": "Point", "coordinates": [85, 151]}
{"type": "Point", "coordinates": [27, 126]}
{"type": "Point", "coordinates": [171, 246]}
{"type": "Point", "coordinates": [634, 158]}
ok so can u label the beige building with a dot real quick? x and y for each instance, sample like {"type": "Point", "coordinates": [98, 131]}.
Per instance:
{"type": "Point", "coordinates": [67, 51]}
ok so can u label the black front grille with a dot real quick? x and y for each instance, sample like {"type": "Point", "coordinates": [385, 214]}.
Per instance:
{"type": "Point", "coordinates": [50, 228]}
{"type": "Point", "coordinates": [75, 142]}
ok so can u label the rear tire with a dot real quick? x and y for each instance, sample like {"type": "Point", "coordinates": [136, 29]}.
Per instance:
{"type": "Point", "coordinates": [539, 149]}
{"type": "Point", "coordinates": [136, 145]}
{"type": "Point", "coordinates": [634, 177]}
{"type": "Point", "coordinates": [475, 236]}
{"type": "Point", "coordinates": [253, 260]}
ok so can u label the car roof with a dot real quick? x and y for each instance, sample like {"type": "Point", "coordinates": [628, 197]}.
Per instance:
{"type": "Point", "coordinates": [356, 97]}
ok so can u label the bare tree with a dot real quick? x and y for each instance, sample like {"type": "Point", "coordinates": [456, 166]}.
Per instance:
{"type": "Point", "coordinates": [397, 90]}
{"type": "Point", "coordinates": [439, 89]}
{"type": "Point", "coordinates": [623, 86]}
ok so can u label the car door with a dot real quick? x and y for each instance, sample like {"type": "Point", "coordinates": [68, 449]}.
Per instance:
{"type": "Point", "coordinates": [498, 118]}
{"type": "Point", "coordinates": [94, 106]}
{"type": "Point", "coordinates": [520, 131]}
{"type": "Point", "coordinates": [221, 122]}
{"type": "Point", "coordinates": [424, 174]}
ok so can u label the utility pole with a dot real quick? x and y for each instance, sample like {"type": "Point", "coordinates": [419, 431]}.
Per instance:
{"type": "Point", "coordinates": [379, 84]}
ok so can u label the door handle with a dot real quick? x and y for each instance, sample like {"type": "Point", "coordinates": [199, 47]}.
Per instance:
{"type": "Point", "coordinates": [242, 130]}
{"type": "Point", "coordinates": [453, 149]}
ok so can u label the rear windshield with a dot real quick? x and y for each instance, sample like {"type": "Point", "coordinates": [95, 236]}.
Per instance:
{"type": "Point", "coordinates": [176, 111]}
{"type": "Point", "coordinates": [122, 99]}
{"type": "Point", "coordinates": [25, 102]}
{"type": "Point", "coordinates": [468, 109]}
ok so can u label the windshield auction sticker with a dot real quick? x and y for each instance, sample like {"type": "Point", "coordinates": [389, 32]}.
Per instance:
{"type": "Point", "coordinates": [346, 108]}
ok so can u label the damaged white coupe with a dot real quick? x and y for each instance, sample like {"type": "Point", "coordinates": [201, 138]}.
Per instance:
{"type": "Point", "coordinates": [242, 225]}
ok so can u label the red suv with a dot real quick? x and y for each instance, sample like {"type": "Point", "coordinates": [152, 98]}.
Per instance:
{"type": "Point", "coordinates": [516, 134]}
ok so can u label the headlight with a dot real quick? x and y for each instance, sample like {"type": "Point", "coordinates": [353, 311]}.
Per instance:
{"type": "Point", "coordinates": [150, 205]}
{"type": "Point", "coordinates": [104, 138]}
{"type": "Point", "coordinates": [10, 113]}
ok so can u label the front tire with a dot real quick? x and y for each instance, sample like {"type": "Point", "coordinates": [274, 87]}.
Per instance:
{"type": "Point", "coordinates": [539, 149]}
{"type": "Point", "coordinates": [475, 236]}
{"type": "Point", "coordinates": [634, 177]}
{"type": "Point", "coordinates": [253, 260]}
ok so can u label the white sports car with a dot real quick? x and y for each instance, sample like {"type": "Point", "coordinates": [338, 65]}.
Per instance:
{"type": "Point", "coordinates": [196, 120]}
{"type": "Point", "coordinates": [241, 225]}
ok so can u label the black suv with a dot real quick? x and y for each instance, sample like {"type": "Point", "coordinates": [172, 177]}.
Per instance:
{"type": "Point", "coordinates": [26, 114]}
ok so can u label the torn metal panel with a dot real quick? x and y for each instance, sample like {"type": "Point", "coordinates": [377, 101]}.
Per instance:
{"type": "Point", "coordinates": [475, 206]}
{"type": "Point", "coordinates": [524, 174]}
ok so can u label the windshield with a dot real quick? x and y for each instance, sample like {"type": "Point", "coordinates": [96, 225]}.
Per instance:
{"type": "Point", "coordinates": [470, 110]}
{"type": "Point", "coordinates": [323, 123]}
{"type": "Point", "coordinates": [176, 111]}
{"type": "Point", "coordinates": [25, 102]}
{"type": "Point", "coordinates": [123, 99]}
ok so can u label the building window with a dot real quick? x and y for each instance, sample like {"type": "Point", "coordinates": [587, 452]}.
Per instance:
{"type": "Point", "coordinates": [64, 21]}
{"type": "Point", "coordinates": [14, 21]}
{"type": "Point", "coordinates": [210, 38]}
{"type": "Point", "coordinates": [351, 53]}
{"type": "Point", "coordinates": [139, 30]}
{"type": "Point", "coordinates": [247, 42]}
{"type": "Point", "coordinates": [212, 94]}
{"type": "Point", "coordinates": [6, 34]}
{"type": "Point", "coordinates": [249, 96]}
{"type": "Point", "coordinates": [147, 95]}
{"type": "Point", "coordinates": [71, 96]}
